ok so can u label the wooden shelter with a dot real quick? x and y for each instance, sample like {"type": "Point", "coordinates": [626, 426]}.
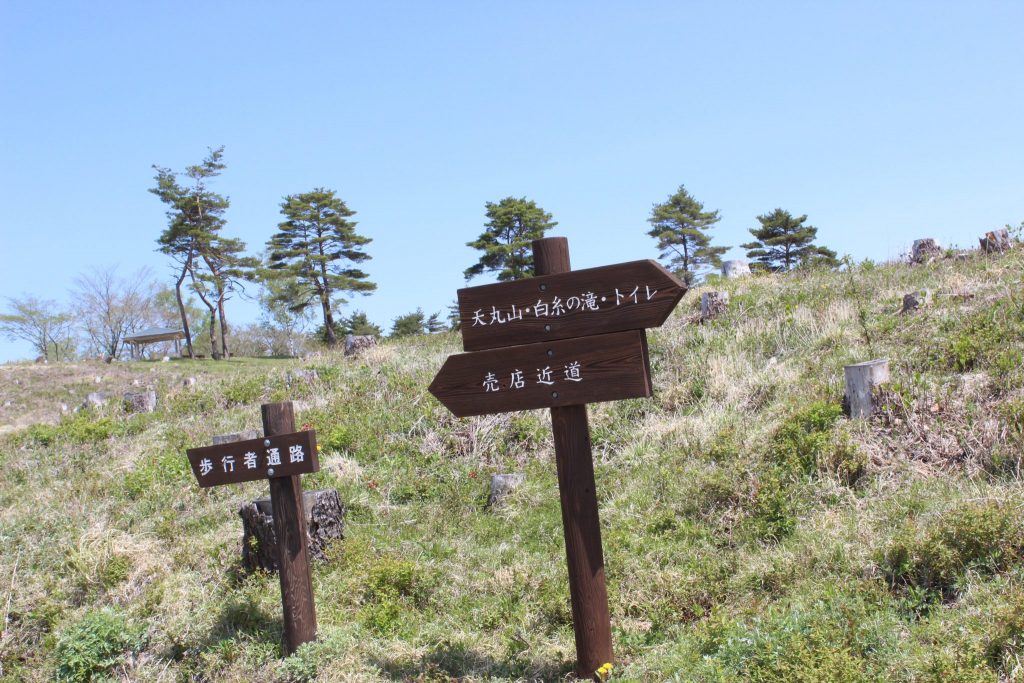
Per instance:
{"type": "Point", "coordinates": [152, 336]}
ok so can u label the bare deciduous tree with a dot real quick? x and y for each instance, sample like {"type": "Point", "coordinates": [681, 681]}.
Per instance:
{"type": "Point", "coordinates": [42, 324]}
{"type": "Point", "coordinates": [108, 307]}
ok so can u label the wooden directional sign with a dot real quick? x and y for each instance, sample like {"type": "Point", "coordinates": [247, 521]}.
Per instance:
{"type": "Point", "coordinates": [275, 456]}
{"type": "Point", "coordinates": [626, 296]}
{"type": "Point", "coordinates": [562, 340]}
{"type": "Point", "coordinates": [605, 367]}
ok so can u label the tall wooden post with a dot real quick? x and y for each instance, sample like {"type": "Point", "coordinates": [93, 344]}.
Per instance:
{"type": "Point", "coordinates": [587, 590]}
{"type": "Point", "coordinates": [292, 547]}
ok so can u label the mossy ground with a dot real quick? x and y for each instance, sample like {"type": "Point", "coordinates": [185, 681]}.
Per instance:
{"type": "Point", "coordinates": [751, 532]}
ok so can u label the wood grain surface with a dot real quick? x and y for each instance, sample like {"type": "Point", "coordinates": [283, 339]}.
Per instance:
{"type": "Point", "coordinates": [626, 296]}
{"type": "Point", "coordinates": [227, 462]}
{"type": "Point", "coordinates": [605, 367]}
{"type": "Point", "coordinates": [292, 546]}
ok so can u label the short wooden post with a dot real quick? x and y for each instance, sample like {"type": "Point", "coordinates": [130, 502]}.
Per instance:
{"type": "Point", "coordinates": [713, 304]}
{"type": "Point", "coordinates": [995, 241]}
{"type": "Point", "coordinates": [861, 381]}
{"type": "Point", "coordinates": [292, 550]}
{"type": "Point", "coordinates": [578, 493]}
{"type": "Point", "coordinates": [925, 250]}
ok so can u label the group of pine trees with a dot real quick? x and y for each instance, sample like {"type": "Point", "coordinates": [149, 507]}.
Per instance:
{"type": "Point", "coordinates": [680, 225]}
{"type": "Point", "coordinates": [312, 261]}
{"type": "Point", "coordinates": [782, 242]}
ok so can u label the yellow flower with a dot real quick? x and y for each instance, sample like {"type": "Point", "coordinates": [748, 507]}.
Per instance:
{"type": "Point", "coordinates": [604, 672]}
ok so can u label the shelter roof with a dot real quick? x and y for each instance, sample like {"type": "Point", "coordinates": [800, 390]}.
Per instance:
{"type": "Point", "coordinates": [155, 334]}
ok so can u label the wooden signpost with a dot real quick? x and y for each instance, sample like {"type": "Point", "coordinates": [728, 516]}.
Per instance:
{"type": "Point", "coordinates": [281, 456]}
{"type": "Point", "coordinates": [561, 340]}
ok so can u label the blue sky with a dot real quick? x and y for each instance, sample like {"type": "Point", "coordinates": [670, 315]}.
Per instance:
{"type": "Point", "coordinates": [883, 121]}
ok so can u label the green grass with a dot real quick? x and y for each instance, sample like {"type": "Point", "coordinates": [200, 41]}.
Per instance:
{"type": "Point", "coordinates": [751, 531]}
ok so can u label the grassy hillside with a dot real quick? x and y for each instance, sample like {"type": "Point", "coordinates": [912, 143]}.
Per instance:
{"type": "Point", "coordinates": [751, 532]}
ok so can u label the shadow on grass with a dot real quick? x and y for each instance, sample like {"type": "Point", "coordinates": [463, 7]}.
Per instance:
{"type": "Point", "coordinates": [240, 619]}
{"type": "Point", "coordinates": [449, 661]}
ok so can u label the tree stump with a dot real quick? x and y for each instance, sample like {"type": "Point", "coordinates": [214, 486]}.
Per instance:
{"type": "Point", "coordinates": [995, 241]}
{"type": "Point", "coordinates": [735, 269]}
{"type": "Point", "coordinates": [502, 485]}
{"type": "Point", "coordinates": [862, 379]}
{"type": "Point", "coordinates": [302, 375]}
{"type": "Point", "coordinates": [925, 250]}
{"type": "Point", "coordinates": [325, 522]}
{"type": "Point", "coordinates": [354, 343]}
{"type": "Point", "coordinates": [713, 304]}
{"type": "Point", "coordinates": [95, 399]}
{"type": "Point", "coordinates": [140, 401]}
{"type": "Point", "coordinates": [245, 435]}
{"type": "Point", "coordinates": [915, 300]}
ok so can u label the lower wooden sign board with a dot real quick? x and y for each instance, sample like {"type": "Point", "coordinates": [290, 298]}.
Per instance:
{"type": "Point", "coordinates": [604, 367]}
{"type": "Point", "coordinates": [274, 456]}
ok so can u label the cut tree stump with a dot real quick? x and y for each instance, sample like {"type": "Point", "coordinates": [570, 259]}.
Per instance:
{"type": "Point", "coordinates": [713, 304]}
{"type": "Point", "coordinates": [302, 375]}
{"type": "Point", "coordinates": [925, 250]}
{"type": "Point", "coordinates": [235, 436]}
{"type": "Point", "coordinates": [735, 269]}
{"type": "Point", "coordinates": [140, 401]}
{"type": "Point", "coordinates": [354, 343]}
{"type": "Point", "coordinates": [915, 300]}
{"type": "Point", "coordinates": [502, 485]}
{"type": "Point", "coordinates": [995, 241]}
{"type": "Point", "coordinates": [325, 522]}
{"type": "Point", "coordinates": [95, 399]}
{"type": "Point", "coordinates": [862, 380]}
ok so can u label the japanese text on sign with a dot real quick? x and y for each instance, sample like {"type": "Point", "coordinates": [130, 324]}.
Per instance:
{"type": "Point", "coordinates": [557, 306]}
{"type": "Point", "coordinates": [276, 456]}
{"type": "Point", "coordinates": [570, 372]}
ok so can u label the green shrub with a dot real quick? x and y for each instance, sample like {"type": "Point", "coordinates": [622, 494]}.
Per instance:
{"type": "Point", "coordinates": [980, 340]}
{"type": "Point", "coordinates": [115, 571]}
{"type": "Point", "coordinates": [383, 615]}
{"type": "Point", "coordinates": [392, 576]}
{"type": "Point", "coordinates": [843, 459]}
{"type": "Point", "coordinates": [773, 514]}
{"type": "Point", "coordinates": [82, 427]}
{"type": "Point", "coordinates": [800, 442]}
{"type": "Point", "coordinates": [243, 391]}
{"type": "Point", "coordinates": [93, 645]}
{"type": "Point", "coordinates": [1004, 643]}
{"type": "Point", "coordinates": [391, 585]}
{"type": "Point", "coordinates": [191, 403]}
{"type": "Point", "coordinates": [976, 536]}
{"type": "Point", "coordinates": [339, 439]}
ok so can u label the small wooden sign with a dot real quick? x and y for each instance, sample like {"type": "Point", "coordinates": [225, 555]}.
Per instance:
{"type": "Point", "coordinates": [274, 456]}
{"type": "Point", "coordinates": [625, 296]}
{"type": "Point", "coordinates": [606, 367]}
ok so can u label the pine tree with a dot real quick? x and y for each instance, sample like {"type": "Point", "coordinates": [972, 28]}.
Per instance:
{"type": "Point", "coordinates": [214, 263]}
{"type": "Point", "coordinates": [512, 225]}
{"type": "Point", "coordinates": [681, 227]}
{"type": "Point", "coordinates": [359, 324]}
{"type": "Point", "coordinates": [409, 324]}
{"type": "Point", "coordinates": [783, 242]}
{"type": "Point", "coordinates": [434, 324]}
{"type": "Point", "coordinates": [317, 248]}
{"type": "Point", "coordinates": [195, 215]}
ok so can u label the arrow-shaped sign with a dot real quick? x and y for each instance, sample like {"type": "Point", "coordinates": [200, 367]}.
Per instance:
{"type": "Point", "coordinates": [604, 367]}
{"type": "Point", "coordinates": [626, 296]}
{"type": "Point", "coordinates": [274, 456]}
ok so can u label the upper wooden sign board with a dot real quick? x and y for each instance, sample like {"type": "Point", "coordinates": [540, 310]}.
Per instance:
{"type": "Point", "coordinates": [273, 456]}
{"type": "Point", "coordinates": [604, 367]}
{"type": "Point", "coordinates": [626, 296]}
